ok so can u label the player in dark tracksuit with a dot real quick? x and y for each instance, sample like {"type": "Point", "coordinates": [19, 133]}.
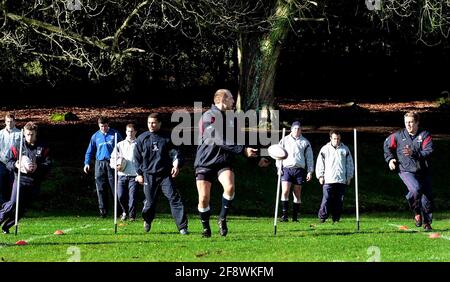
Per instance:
{"type": "Point", "coordinates": [214, 159]}
{"type": "Point", "coordinates": [408, 151]}
{"type": "Point", "coordinates": [35, 163]}
{"type": "Point", "coordinates": [157, 162]}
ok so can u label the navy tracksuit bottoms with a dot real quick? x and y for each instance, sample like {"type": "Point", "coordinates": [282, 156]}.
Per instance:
{"type": "Point", "coordinates": [28, 191]}
{"type": "Point", "coordinates": [153, 185]}
{"type": "Point", "coordinates": [104, 181]}
{"type": "Point", "coordinates": [127, 193]}
{"type": "Point", "coordinates": [419, 196]}
{"type": "Point", "coordinates": [332, 201]}
{"type": "Point", "coordinates": [6, 181]}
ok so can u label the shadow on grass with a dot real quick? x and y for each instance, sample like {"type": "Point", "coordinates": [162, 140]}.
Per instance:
{"type": "Point", "coordinates": [333, 232]}
{"type": "Point", "coordinates": [72, 243]}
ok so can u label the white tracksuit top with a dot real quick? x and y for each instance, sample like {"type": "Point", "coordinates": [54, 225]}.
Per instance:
{"type": "Point", "coordinates": [335, 164]}
{"type": "Point", "coordinates": [8, 139]}
{"type": "Point", "coordinates": [299, 151]}
{"type": "Point", "coordinates": [125, 148]}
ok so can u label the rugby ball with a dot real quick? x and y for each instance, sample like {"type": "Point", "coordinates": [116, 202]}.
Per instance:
{"type": "Point", "coordinates": [277, 152]}
{"type": "Point", "coordinates": [25, 165]}
{"type": "Point", "coordinates": [123, 163]}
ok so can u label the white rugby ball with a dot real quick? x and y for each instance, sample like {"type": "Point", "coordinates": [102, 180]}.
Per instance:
{"type": "Point", "coordinates": [123, 163]}
{"type": "Point", "coordinates": [277, 152]}
{"type": "Point", "coordinates": [25, 164]}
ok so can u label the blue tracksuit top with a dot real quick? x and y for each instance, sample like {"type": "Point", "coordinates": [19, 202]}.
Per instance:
{"type": "Point", "coordinates": [102, 145]}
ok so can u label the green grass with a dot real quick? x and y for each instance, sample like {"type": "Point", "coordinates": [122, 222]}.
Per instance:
{"type": "Point", "coordinates": [69, 192]}
{"type": "Point", "coordinates": [250, 240]}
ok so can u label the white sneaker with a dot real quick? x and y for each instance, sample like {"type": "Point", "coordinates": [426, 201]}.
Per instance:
{"type": "Point", "coordinates": [184, 231]}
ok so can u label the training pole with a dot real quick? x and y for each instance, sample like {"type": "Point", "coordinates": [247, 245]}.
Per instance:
{"type": "Point", "coordinates": [277, 199]}
{"type": "Point", "coordinates": [356, 178]}
{"type": "Point", "coordinates": [115, 183]}
{"type": "Point", "coordinates": [16, 221]}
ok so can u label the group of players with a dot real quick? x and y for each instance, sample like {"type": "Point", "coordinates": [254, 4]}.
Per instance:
{"type": "Point", "coordinates": [152, 161]}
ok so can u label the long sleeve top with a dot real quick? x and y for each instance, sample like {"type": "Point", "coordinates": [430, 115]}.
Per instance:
{"type": "Point", "coordinates": [38, 153]}
{"type": "Point", "coordinates": [215, 148]}
{"type": "Point", "coordinates": [335, 164]}
{"type": "Point", "coordinates": [101, 145]}
{"type": "Point", "coordinates": [421, 145]}
{"type": "Point", "coordinates": [125, 151]}
{"type": "Point", "coordinates": [300, 153]}
{"type": "Point", "coordinates": [155, 153]}
{"type": "Point", "coordinates": [7, 140]}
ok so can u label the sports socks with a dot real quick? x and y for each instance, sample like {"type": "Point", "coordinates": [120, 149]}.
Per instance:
{"type": "Point", "coordinates": [226, 205]}
{"type": "Point", "coordinates": [205, 214]}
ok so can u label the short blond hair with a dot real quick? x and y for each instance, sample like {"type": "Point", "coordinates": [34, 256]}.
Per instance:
{"type": "Point", "coordinates": [10, 115]}
{"type": "Point", "coordinates": [413, 114]}
{"type": "Point", "coordinates": [218, 96]}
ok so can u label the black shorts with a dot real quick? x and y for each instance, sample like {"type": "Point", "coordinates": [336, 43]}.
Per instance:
{"type": "Point", "coordinates": [294, 175]}
{"type": "Point", "coordinates": [209, 174]}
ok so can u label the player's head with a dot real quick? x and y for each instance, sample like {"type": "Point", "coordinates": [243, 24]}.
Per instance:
{"type": "Point", "coordinates": [411, 122]}
{"type": "Point", "coordinates": [153, 122]}
{"type": "Point", "coordinates": [30, 132]}
{"type": "Point", "coordinates": [223, 99]}
{"type": "Point", "coordinates": [10, 121]}
{"type": "Point", "coordinates": [130, 131]}
{"type": "Point", "coordinates": [296, 129]}
{"type": "Point", "coordinates": [103, 124]}
{"type": "Point", "coordinates": [335, 138]}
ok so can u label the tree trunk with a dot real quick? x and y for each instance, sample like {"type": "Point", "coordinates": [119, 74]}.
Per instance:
{"type": "Point", "coordinates": [258, 55]}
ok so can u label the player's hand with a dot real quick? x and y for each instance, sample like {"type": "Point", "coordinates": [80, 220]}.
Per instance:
{"type": "Point", "coordinates": [393, 164]}
{"type": "Point", "coordinates": [407, 151]}
{"type": "Point", "coordinates": [250, 152]}
{"type": "Point", "coordinates": [175, 171]}
{"type": "Point", "coordinates": [349, 181]}
{"type": "Point", "coordinates": [263, 162]}
{"type": "Point", "coordinates": [279, 172]}
{"type": "Point", "coordinates": [32, 167]}
{"type": "Point", "coordinates": [140, 179]}
{"type": "Point", "coordinates": [321, 180]}
{"type": "Point", "coordinates": [309, 176]}
{"type": "Point", "coordinates": [86, 169]}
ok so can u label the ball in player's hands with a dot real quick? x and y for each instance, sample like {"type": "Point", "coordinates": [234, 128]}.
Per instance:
{"type": "Point", "coordinates": [27, 164]}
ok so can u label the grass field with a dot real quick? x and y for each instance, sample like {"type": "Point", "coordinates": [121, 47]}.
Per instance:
{"type": "Point", "coordinates": [68, 202]}
{"type": "Point", "coordinates": [91, 239]}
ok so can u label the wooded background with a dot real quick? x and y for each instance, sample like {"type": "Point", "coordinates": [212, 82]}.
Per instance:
{"type": "Point", "coordinates": [180, 51]}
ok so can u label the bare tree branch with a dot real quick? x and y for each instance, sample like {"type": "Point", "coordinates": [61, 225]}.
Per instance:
{"type": "Point", "coordinates": [115, 46]}
{"type": "Point", "coordinates": [51, 28]}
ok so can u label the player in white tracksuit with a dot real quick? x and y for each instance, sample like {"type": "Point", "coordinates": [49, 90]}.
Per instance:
{"type": "Point", "coordinates": [126, 183]}
{"type": "Point", "coordinates": [297, 168]}
{"type": "Point", "coordinates": [335, 170]}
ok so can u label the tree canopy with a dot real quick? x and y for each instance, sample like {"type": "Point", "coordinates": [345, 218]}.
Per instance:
{"type": "Point", "coordinates": [124, 47]}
